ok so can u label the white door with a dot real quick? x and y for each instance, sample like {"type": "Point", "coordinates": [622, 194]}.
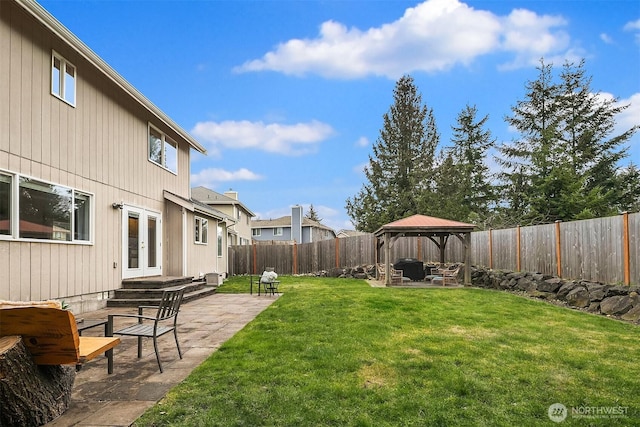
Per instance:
{"type": "Point", "coordinates": [142, 242]}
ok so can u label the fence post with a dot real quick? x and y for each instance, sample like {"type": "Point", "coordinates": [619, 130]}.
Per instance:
{"type": "Point", "coordinates": [255, 259]}
{"type": "Point", "coordinates": [295, 258]}
{"type": "Point", "coordinates": [625, 248]}
{"type": "Point", "coordinates": [518, 255]}
{"type": "Point", "coordinates": [558, 250]}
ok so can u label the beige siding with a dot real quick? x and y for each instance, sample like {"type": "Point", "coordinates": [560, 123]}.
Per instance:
{"type": "Point", "coordinates": [203, 258]}
{"type": "Point", "coordinates": [100, 147]}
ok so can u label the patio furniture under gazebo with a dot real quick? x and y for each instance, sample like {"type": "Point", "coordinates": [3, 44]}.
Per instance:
{"type": "Point", "coordinates": [438, 230]}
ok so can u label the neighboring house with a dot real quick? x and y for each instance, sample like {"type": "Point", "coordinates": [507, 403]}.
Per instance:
{"type": "Point", "coordinates": [228, 203]}
{"type": "Point", "coordinates": [294, 228]}
{"type": "Point", "coordinates": [350, 233]}
{"type": "Point", "coordinates": [94, 178]}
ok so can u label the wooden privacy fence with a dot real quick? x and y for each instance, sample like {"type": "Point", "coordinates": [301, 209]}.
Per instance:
{"type": "Point", "coordinates": [605, 250]}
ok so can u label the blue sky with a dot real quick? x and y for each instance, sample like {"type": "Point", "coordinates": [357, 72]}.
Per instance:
{"type": "Point", "coordinates": [288, 96]}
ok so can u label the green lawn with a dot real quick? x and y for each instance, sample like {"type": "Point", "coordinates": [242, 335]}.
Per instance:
{"type": "Point", "coordinates": [338, 352]}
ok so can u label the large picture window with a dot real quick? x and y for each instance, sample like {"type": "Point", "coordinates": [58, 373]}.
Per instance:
{"type": "Point", "coordinates": [32, 209]}
{"type": "Point", "coordinates": [162, 150]}
{"type": "Point", "coordinates": [63, 79]}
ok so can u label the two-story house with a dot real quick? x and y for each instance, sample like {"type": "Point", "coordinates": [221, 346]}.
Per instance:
{"type": "Point", "coordinates": [228, 203]}
{"type": "Point", "coordinates": [295, 228]}
{"type": "Point", "coordinates": [94, 178]}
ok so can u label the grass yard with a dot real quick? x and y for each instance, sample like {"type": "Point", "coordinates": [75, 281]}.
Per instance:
{"type": "Point", "coordinates": [338, 352]}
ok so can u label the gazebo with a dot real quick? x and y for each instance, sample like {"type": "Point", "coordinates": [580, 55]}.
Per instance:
{"type": "Point", "coordinates": [438, 230]}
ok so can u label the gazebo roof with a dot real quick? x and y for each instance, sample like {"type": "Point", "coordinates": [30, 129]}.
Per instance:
{"type": "Point", "coordinates": [425, 225]}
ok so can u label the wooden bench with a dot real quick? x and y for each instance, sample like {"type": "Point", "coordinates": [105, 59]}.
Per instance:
{"type": "Point", "coordinates": [51, 336]}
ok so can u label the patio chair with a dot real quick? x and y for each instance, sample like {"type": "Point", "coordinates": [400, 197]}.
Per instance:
{"type": "Point", "coordinates": [164, 321]}
{"type": "Point", "coordinates": [396, 275]}
{"type": "Point", "coordinates": [448, 276]}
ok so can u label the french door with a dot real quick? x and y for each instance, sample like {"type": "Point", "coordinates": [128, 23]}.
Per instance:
{"type": "Point", "coordinates": [142, 242]}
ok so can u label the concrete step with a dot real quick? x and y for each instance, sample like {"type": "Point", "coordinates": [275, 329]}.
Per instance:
{"type": "Point", "coordinates": [156, 282]}
{"type": "Point", "coordinates": [153, 298]}
{"type": "Point", "coordinates": [155, 293]}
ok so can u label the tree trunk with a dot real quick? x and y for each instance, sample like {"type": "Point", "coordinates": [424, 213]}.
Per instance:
{"type": "Point", "coordinates": [31, 395]}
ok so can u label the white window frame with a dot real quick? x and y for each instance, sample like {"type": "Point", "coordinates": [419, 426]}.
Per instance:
{"type": "Point", "coordinates": [278, 231]}
{"type": "Point", "coordinates": [201, 230]}
{"type": "Point", "coordinates": [76, 195]}
{"type": "Point", "coordinates": [62, 88]}
{"type": "Point", "coordinates": [256, 232]}
{"type": "Point", "coordinates": [220, 241]}
{"type": "Point", "coordinates": [165, 154]}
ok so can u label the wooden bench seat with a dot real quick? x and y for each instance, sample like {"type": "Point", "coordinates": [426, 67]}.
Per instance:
{"type": "Point", "coordinates": [51, 336]}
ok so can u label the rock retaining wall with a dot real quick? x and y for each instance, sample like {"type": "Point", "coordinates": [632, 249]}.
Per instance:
{"type": "Point", "coordinates": [622, 302]}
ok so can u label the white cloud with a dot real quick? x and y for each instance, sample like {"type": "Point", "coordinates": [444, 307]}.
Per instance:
{"type": "Point", "coordinates": [212, 176]}
{"type": "Point", "coordinates": [363, 142]}
{"type": "Point", "coordinates": [633, 26]}
{"type": "Point", "coordinates": [296, 139]}
{"type": "Point", "coordinates": [433, 36]}
{"type": "Point", "coordinates": [606, 38]}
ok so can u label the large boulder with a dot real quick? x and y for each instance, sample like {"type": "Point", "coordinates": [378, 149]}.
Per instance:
{"type": "Point", "coordinates": [632, 315]}
{"type": "Point", "coordinates": [597, 291]}
{"type": "Point", "coordinates": [616, 305]}
{"type": "Point", "coordinates": [550, 285]}
{"type": "Point", "coordinates": [578, 297]}
{"type": "Point", "coordinates": [565, 289]}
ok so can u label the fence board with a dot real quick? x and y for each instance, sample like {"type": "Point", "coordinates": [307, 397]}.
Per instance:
{"type": "Point", "coordinates": [538, 249]}
{"type": "Point", "coordinates": [634, 248]}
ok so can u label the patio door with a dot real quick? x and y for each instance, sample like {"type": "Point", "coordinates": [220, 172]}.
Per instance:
{"type": "Point", "coordinates": [141, 238]}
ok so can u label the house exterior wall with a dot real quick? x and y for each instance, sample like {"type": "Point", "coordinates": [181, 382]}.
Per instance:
{"type": "Point", "coordinates": [268, 234]}
{"type": "Point", "coordinates": [203, 258]}
{"type": "Point", "coordinates": [98, 147]}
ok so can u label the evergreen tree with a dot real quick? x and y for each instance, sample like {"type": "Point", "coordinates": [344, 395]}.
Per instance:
{"type": "Point", "coordinates": [400, 171]}
{"type": "Point", "coordinates": [566, 164]}
{"type": "Point", "coordinates": [475, 193]}
{"type": "Point", "coordinates": [313, 215]}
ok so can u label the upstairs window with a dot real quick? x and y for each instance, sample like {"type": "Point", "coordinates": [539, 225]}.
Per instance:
{"type": "Point", "coordinates": [201, 230]}
{"type": "Point", "coordinates": [256, 232]}
{"type": "Point", "coordinates": [277, 231]}
{"type": "Point", "coordinates": [63, 79]}
{"type": "Point", "coordinates": [162, 150]}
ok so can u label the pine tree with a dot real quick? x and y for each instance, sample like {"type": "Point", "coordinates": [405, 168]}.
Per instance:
{"type": "Point", "coordinates": [312, 214]}
{"type": "Point", "coordinates": [566, 164]}
{"type": "Point", "coordinates": [400, 171]}
{"type": "Point", "coordinates": [475, 192]}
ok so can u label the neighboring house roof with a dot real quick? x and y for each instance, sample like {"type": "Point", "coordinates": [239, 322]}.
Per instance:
{"type": "Point", "coordinates": [350, 233]}
{"type": "Point", "coordinates": [83, 50]}
{"type": "Point", "coordinates": [207, 196]}
{"type": "Point", "coordinates": [285, 221]}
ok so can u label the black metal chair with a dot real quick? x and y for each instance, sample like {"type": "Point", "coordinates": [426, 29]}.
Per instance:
{"type": "Point", "coordinates": [163, 322]}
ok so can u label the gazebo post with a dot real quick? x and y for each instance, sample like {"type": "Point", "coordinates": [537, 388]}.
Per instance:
{"type": "Point", "coordinates": [387, 258]}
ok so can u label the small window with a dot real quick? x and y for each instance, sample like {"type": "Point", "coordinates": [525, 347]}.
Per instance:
{"type": "Point", "coordinates": [201, 230]}
{"type": "Point", "coordinates": [277, 231]}
{"type": "Point", "coordinates": [219, 241]}
{"type": "Point", "coordinates": [162, 150]}
{"type": "Point", "coordinates": [256, 232]}
{"type": "Point", "coordinates": [5, 204]}
{"type": "Point", "coordinates": [63, 79]}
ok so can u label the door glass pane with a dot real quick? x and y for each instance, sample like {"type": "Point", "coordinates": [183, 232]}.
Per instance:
{"type": "Point", "coordinates": [152, 238]}
{"type": "Point", "coordinates": [134, 240]}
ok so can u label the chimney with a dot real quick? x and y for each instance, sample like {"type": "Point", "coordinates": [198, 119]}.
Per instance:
{"type": "Point", "coordinates": [296, 223]}
{"type": "Point", "coordinates": [231, 194]}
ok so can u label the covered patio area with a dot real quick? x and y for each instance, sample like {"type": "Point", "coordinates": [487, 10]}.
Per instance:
{"type": "Point", "coordinates": [437, 230]}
